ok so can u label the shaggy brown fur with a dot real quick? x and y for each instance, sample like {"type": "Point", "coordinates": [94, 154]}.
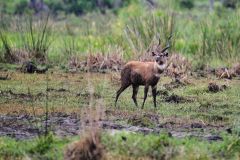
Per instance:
{"type": "Point", "coordinates": [137, 73]}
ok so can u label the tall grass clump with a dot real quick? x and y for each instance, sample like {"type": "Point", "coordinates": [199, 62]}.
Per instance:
{"type": "Point", "coordinates": [70, 46]}
{"type": "Point", "coordinates": [6, 49]}
{"type": "Point", "coordinates": [36, 36]}
{"type": "Point", "coordinates": [6, 46]}
{"type": "Point", "coordinates": [220, 40]}
{"type": "Point", "coordinates": [70, 51]}
{"type": "Point", "coordinates": [142, 32]}
{"type": "Point", "coordinates": [28, 38]}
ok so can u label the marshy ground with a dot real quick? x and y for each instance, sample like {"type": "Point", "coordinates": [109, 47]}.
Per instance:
{"type": "Point", "coordinates": [57, 102]}
{"type": "Point", "coordinates": [184, 111]}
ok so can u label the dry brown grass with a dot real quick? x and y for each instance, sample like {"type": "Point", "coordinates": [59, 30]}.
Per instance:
{"type": "Point", "coordinates": [179, 68]}
{"type": "Point", "coordinates": [76, 62]}
{"type": "Point", "coordinates": [99, 61]}
{"type": "Point", "coordinates": [227, 73]}
{"type": "Point", "coordinates": [96, 62]}
{"type": "Point", "coordinates": [19, 56]}
{"type": "Point", "coordinates": [88, 147]}
{"type": "Point", "coordinates": [236, 68]}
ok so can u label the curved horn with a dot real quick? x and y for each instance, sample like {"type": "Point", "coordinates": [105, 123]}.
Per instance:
{"type": "Point", "coordinates": [164, 49]}
{"type": "Point", "coordinates": [168, 45]}
{"type": "Point", "coordinates": [159, 42]}
{"type": "Point", "coordinates": [169, 38]}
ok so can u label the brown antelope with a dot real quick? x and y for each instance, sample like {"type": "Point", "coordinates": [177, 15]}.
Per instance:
{"type": "Point", "coordinates": [138, 73]}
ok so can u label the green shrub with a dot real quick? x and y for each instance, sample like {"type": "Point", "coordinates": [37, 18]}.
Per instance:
{"type": "Point", "coordinates": [189, 4]}
{"type": "Point", "coordinates": [138, 145]}
{"type": "Point", "coordinates": [6, 51]}
{"type": "Point", "coordinates": [10, 149]}
{"type": "Point", "coordinates": [230, 3]}
{"type": "Point", "coordinates": [21, 7]}
{"type": "Point", "coordinates": [42, 145]}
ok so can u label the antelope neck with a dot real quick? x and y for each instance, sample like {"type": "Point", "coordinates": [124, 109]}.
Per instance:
{"type": "Point", "coordinates": [159, 67]}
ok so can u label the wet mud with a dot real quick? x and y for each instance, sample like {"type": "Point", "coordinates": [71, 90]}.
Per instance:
{"type": "Point", "coordinates": [61, 124]}
{"type": "Point", "coordinates": [10, 94]}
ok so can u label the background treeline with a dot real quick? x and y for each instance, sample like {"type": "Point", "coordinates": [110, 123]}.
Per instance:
{"type": "Point", "coordinates": [77, 7]}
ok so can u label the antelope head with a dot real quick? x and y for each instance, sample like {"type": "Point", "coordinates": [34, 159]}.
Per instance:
{"type": "Point", "coordinates": [161, 56]}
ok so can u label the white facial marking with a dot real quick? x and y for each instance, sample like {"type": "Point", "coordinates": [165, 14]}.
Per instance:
{"type": "Point", "coordinates": [162, 66]}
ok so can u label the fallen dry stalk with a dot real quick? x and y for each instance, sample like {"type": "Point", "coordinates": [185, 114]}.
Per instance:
{"type": "Point", "coordinates": [228, 73]}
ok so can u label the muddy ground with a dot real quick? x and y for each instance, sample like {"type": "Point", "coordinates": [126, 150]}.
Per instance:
{"type": "Point", "coordinates": [67, 94]}
{"type": "Point", "coordinates": [61, 124]}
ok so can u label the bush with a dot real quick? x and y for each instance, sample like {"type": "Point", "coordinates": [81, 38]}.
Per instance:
{"type": "Point", "coordinates": [189, 4]}
{"type": "Point", "coordinates": [42, 145]}
{"type": "Point", "coordinates": [84, 6]}
{"type": "Point", "coordinates": [220, 40]}
{"type": "Point", "coordinates": [88, 148]}
{"type": "Point", "coordinates": [36, 38]}
{"type": "Point", "coordinates": [21, 7]}
{"type": "Point", "coordinates": [230, 3]}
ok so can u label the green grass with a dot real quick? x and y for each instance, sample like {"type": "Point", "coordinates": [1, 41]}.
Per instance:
{"type": "Point", "coordinates": [204, 37]}
{"type": "Point", "coordinates": [126, 145]}
{"type": "Point", "coordinates": [164, 147]}
{"type": "Point", "coordinates": [40, 148]}
{"type": "Point", "coordinates": [201, 106]}
{"type": "Point", "coordinates": [199, 101]}
{"type": "Point", "coordinates": [214, 109]}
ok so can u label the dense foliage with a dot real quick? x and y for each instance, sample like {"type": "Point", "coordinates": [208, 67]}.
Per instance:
{"type": "Point", "coordinates": [77, 7]}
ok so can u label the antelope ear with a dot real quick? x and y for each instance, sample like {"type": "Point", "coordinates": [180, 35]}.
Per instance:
{"type": "Point", "coordinates": [153, 54]}
{"type": "Point", "coordinates": [166, 54]}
